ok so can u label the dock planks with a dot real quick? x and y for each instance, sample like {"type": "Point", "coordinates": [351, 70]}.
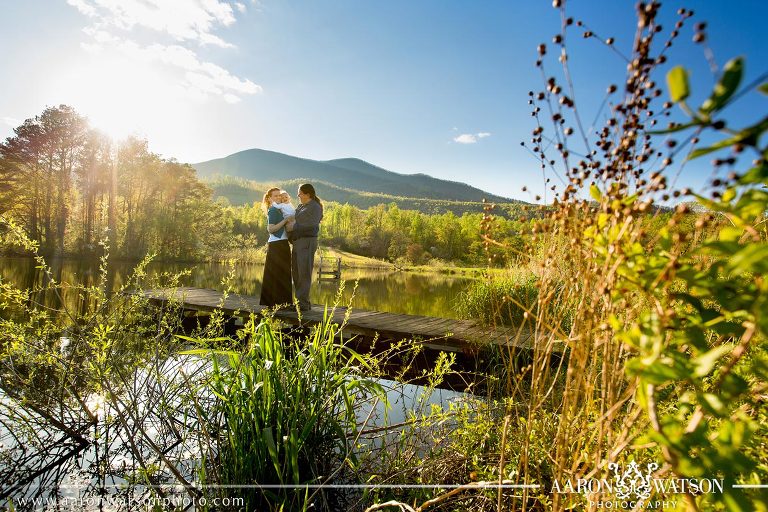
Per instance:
{"type": "Point", "coordinates": [433, 332]}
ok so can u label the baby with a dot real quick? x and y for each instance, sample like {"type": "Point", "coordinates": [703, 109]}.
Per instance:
{"type": "Point", "coordinates": [286, 208]}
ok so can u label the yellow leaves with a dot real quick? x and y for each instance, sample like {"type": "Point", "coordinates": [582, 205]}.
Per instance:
{"type": "Point", "coordinates": [594, 191]}
{"type": "Point", "coordinates": [602, 220]}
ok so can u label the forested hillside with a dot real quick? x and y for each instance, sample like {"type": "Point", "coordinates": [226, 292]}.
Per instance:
{"type": "Point", "coordinates": [349, 173]}
{"type": "Point", "coordinates": [239, 191]}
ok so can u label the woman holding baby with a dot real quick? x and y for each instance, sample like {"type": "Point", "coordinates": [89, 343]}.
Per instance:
{"type": "Point", "coordinates": [276, 283]}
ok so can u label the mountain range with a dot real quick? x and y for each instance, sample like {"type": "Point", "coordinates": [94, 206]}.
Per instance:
{"type": "Point", "coordinates": [349, 179]}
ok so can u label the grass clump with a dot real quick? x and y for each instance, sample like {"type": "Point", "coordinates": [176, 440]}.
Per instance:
{"type": "Point", "coordinates": [284, 413]}
{"type": "Point", "coordinates": [513, 300]}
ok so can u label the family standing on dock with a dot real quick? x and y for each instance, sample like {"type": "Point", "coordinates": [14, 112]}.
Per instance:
{"type": "Point", "coordinates": [286, 225]}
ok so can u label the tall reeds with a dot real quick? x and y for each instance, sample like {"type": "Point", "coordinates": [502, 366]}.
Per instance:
{"type": "Point", "coordinates": [284, 413]}
{"type": "Point", "coordinates": [652, 293]}
{"type": "Point", "coordinates": [513, 300]}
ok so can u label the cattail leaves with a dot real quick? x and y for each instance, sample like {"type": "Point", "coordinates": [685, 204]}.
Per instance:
{"type": "Point", "coordinates": [284, 406]}
{"type": "Point", "coordinates": [269, 439]}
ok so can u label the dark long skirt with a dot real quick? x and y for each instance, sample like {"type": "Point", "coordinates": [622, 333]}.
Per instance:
{"type": "Point", "coordinates": [276, 284]}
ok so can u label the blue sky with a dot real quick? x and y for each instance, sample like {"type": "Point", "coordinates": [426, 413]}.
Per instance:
{"type": "Point", "coordinates": [433, 86]}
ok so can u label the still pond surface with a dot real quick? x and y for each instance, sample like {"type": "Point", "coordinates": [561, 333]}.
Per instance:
{"type": "Point", "coordinates": [380, 290]}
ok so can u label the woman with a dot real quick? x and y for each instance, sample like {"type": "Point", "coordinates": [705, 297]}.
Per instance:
{"type": "Point", "coordinates": [304, 237]}
{"type": "Point", "coordinates": [276, 283]}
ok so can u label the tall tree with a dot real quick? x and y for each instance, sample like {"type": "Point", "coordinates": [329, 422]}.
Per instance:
{"type": "Point", "coordinates": [94, 176]}
{"type": "Point", "coordinates": [65, 134]}
{"type": "Point", "coordinates": [42, 156]}
{"type": "Point", "coordinates": [22, 164]}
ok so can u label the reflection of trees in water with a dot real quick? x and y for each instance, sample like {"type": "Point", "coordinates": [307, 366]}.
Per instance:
{"type": "Point", "coordinates": [398, 292]}
{"type": "Point", "coordinates": [42, 283]}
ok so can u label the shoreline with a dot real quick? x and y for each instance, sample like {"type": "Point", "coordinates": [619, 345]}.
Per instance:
{"type": "Point", "coordinates": [349, 261]}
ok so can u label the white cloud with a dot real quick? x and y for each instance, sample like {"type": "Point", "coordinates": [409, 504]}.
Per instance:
{"type": "Point", "coordinates": [465, 138]}
{"type": "Point", "coordinates": [183, 20]}
{"type": "Point", "coordinates": [470, 138]}
{"type": "Point", "coordinates": [231, 98]}
{"type": "Point", "coordinates": [83, 7]}
{"type": "Point", "coordinates": [100, 36]}
{"type": "Point", "coordinates": [198, 77]}
{"type": "Point", "coordinates": [92, 48]}
{"type": "Point", "coordinates": [114, 30]}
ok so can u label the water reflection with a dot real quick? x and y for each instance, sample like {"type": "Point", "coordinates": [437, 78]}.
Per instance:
{"type": "Point", "coordinates": [108, 469]}
{"type": "Point", "coordinates": [381, 290]}
{"type": "Point", "coordinates": [64, 454]}
{"type": "Point", "coordinates": [98, 463]}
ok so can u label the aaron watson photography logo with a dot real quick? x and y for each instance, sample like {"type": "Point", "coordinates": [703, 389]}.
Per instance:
{"type": "Point", "coordinates": [634, 487]}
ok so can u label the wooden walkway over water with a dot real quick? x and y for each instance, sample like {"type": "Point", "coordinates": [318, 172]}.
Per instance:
{"type": "Point", "coordinates": [375, 332]}
{"type": "Point", "coordinates": [444, 334]}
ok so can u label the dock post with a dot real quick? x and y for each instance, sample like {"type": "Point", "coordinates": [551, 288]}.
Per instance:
{"type": "Point", "coordinates": [333, 273]}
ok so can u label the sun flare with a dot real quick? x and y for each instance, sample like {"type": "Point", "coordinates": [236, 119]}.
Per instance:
{"type": "Point", "coordinates": [119, 95]}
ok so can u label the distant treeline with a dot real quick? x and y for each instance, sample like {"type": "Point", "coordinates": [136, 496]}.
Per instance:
{"type": "Point", "coordinates": [391, 233]}
{"type": "Point", "coordinates": [59, 177]}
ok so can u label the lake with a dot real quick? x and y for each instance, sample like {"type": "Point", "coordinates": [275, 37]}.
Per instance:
{"type": "Point", "coordinates": [97, 472]}
{"type": "Point", "coordinates": [381, 290]}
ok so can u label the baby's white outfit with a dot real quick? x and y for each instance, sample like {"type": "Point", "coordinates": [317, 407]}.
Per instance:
{"type": "Point", "coordinates": [286, 209]}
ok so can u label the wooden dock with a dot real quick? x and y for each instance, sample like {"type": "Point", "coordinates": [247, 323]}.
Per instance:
{"type": "Point", "coordinates": [442, 334]}
{"type": "Point", "coordinates": [371, 331]}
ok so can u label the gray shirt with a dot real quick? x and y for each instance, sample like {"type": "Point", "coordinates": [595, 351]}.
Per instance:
{"type": "Point", "coordinates": [308, 217]}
